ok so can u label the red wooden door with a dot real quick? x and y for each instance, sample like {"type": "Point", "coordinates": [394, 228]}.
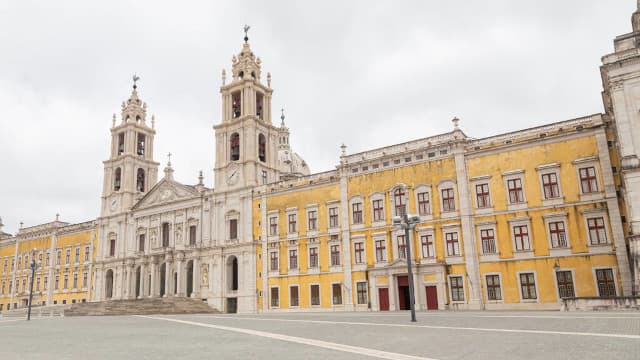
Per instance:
{"type": "Point", "coordinates": [432, 298]}
{"type": "Point", "coordinates": [383, 299]}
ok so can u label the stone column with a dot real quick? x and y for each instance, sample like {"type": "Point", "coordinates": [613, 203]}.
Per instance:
{"type": "Point", "coordinates": [154, 277]}
{"type": "Point", "coordinates": [179, 270]}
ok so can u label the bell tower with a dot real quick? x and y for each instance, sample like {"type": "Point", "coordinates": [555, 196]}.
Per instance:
{"type": "Point", "coordinates": [246, 140]}
{"type": "Point", "coordinates": [130, 170]}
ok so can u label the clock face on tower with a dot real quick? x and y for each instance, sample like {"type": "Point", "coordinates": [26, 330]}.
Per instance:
{"type": "Point", "coordinates": [233, 174]}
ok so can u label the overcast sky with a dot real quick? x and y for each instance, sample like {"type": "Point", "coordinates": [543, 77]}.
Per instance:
{"type": "Point", "coordinates": [366, 73]}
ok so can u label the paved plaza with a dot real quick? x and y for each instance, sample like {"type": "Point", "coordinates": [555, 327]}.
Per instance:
{"type": "Point", "coordinates": [436, 335]}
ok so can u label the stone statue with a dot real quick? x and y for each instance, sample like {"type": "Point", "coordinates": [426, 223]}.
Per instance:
{"type": "Point", "coordinates": [205, 275]}
{"type": "Point", "coordinates": [178, 234]}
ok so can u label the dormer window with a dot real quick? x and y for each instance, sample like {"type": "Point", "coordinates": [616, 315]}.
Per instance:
{"type": "Point", "coordinates": [120, 143]}
{"type": "Point", "coordinates": [236, 106]}
{"type": "Point", "coordinates": [142, 139]}
{"type": "Point", "coordinates": [235, 146]}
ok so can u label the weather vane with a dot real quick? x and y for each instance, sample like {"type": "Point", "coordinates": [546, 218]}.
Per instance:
{"type": "Point", "coordinates": [135, 79]}
{"type": "Point", "coordinates": [246, 31]}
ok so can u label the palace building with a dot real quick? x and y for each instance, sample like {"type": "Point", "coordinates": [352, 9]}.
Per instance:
{"type": "Point", "coordinates": [513, 221]}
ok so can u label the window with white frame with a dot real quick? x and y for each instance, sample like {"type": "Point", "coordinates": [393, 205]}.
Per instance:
{"type": "Point", "coordinates": [273, 225]}
{"type": "Point", "coordinates": [294, 298]}
{"type": "Point", "coordinates": [273, 260]}
{"type": "Point", "coordinates": [378, 210]}
{"type": "Point", "coordinates": [359, 256]}
{"type": "Point", "coordinates": [293, 223]}
{"type": "Point", "coordinates": [453, 243]}
{"type": "Point", "coordinates": [549, 175]}
{"type": "Point", "coordinates": [597, 230]}
{"type": "Point", "coordinates": [381, 249]}
{"type": "Point", "coordinates": [335, 255]}
{"type": "Point", "coordinates": [312, 219]}
{"type": "Point", "coordinates": [313, 257]}
{"type": "Point", "coordinates": [457, 288]}
{"type": "Point", "coordinates": [333, 217]}
{"type": "Point", "coordinates": [424, 205]}
{"type": "Point", "coordinates": [314, 290]}
{"type": "Point", "coordinates": [494, 292]}
{"type": "Point", "coordinates": [361, 291]}
{"type": "Point", "coordinates": [402, 247]}
{"type": "Point", "coordinates": [588, 180]}
{"type": "Point", "coordinates": [564, 280]}
{"type": "Point", "coordinates": [514, 183]}
{"type": "Point", "coordinates": [448, 200]}
{"type": "Point", "coordinates": [482, 196]}
{"type": "Point", "coordinates": [275, 297]}
{"type": "Point", "coordinates": [293, 259]}
{"type": "Point", "coordinates": [488, 241]}
{"type": "Point", "coordinates": [336, 294]}
{"type": "Point", "coordinates": [557, 234]}
{"type": "Point", "coordinates": [426, 241]}
{"type": "Point", "coordinates": [521, 237]}
{"type": "Point", "coordinates": [606, 283]}
{"type": "Point", "coordinates": [356, 215]}
{"type": "Point", "coordinates": [528, 286]}
{"type": "Point", "coordinates": [399, 202]}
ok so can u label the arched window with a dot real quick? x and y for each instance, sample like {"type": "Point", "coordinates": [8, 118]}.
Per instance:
{"type": "Point", "coordinates": [236, 106]}
{"type": "Point", "coordinates": [140, 180]}
{"type": "Point", "coordinates": [117, 179]}
{"type": "Point", "coordinates": [141, 144]}
{"type": "Point", "coordinates": [120, 143]}
{"type": "Point", "coordinates": [262, 148]}
{"type": "Point", "coordinates": [235, 146]}
{"type": "Point", "coordinates": [399, 202]}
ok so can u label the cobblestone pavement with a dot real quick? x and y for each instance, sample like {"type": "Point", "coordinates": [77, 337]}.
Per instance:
{"type": "Point", "coordinates": [436, 335]}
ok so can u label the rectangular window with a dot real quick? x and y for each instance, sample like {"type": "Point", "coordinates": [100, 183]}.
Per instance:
{"type": "Point", "coordinates": [75, 280]}
{"type": "Point", "coordinates": [10, 286]}
{"type": "Point", "coordinates": [453, 246]}
{"type": "Point", "coordinates": [565, 284]}
{"type": "Point", "coordinates": [140, 144]}
{"type": "Point", "coordinates": [427, 246]}
{"type": "Point", "coordinates": [120, 143]}
{"type": "Point", "coordinates": [45, 283]}
{"type": "Point", "coordinates": [273, 226]}
{"type": "Point", "coordinates": [557, 234]}
{"type": "Point", "coordinates": [333, 217]}
{"type": "Point", "coordinates": [293, 220]}
{"type": "Point", "coordinates": [294, 299]}
{"type": "Point", "coordinates": [66, 281]}
{"type": "Point", "coordinates": [86, 255]}
{"type": "Point", "coordinates": [192, 234]}
{"type": "Point", "coordinates": [493, 287]}
{"type": "Point", "coordinates": [275, 297]}
{"type": "Point", "coordinates": [141, 242]}
{"type": "Point", "coordinates": [315, 295]}
{"type": "Point", "coordinates": [264, 177]}
{"type": "Point", "coordinates": [293, 259]}
{"type": "Point", "coordinates": [521, 237]}
{"type": "Point", "coordinates": [77, 254]}
{"type": "Point", "coordinates": [550, 186]}
{"type": "Point", "coordinates": [402, 247]}
{"type": "Point", "coordinates": [597, 233]}
{"type": "Point", "coordinates": [233, 229]}
{"type": "Point", "coordinates": [2, 289]}
{"type": "Point", "coordinates": [381, 251]}
{"type": "Point", "coordinates": [448, 201]}
{"type": "Point", "coordinates": [482, 196]}
{"type": "Point", "coordinates": [336, 292]}
{"type": "Point", "coordinates": [378, 210]}
{"type": "Point", "coordinates": [165, 234]}
{"type": "Point", "coordinates": [335, 255]}
{"type": "Point", "coordinates": [67, 257]}
{"type": "Point", "coordinates": [84, 279]}
{"type": "Point", "coordinates": [528, 286]}
{"type": "Point", "coordinates": [606, 284]}
{"type": "Point", "coordinates": [358, 252]}
{"type": "Point", "coordinates": [4, 267]}
{"type": "Point", "coordinates": [313, 220]}
{"type": "Point", "coordinates": [487, 237]}
{"type": "Point", "coordinates": [112, 247]}
{"type": "Point", "coordinates": [273, 258]}
{"type": "Point", "coordinates": [457, 288]}
{"type": "Point", "coordinates": [423, 203]}
{"type": "Point", "coordinates": [516, 196]}
{"type": "Point", "coordinates": [588, 182]}
{"type": "Point", "coordinates": [361, 288]}
{"type": "Point", "coordinates": [47, 259]}
{"type": "Point", "coordinates": [313, 257]}
{"type": "Point", "coordinates": [357, 213]}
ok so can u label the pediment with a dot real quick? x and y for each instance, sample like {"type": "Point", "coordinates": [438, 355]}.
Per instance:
{"type": "Point", "coordinates": [165, 192]}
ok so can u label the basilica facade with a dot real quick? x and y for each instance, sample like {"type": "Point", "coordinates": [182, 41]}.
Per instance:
{"type": "Point", "coordinates": [513, 221]}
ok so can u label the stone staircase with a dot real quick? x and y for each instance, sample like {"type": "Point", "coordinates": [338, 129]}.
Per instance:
{"type": "Point", "coordinates": [172, 305]}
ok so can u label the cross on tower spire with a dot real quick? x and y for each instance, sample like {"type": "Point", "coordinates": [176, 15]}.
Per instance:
{"type": "Point", "coordinates": [246, 31]}
{"type": "Point", "coordinates": [135, 79]}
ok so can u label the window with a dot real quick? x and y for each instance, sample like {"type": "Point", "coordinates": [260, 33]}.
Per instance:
{"type": "Point", "coordinates": [84, 279]}
{"type": "Point", "coordinates": [120, 143]}
{"type": "Point", "coordinates": [358, 252]}
{"type": "Point", "coordinates": [236, 106]}
{"type": "Point", "coordinates": [264, 177]}
{"type": "Point", "coordinates": [273, 226]}
{"type": "Point", "coordinates": [66, 281]}
{"type": "Point", "coordinates": [78, 254]}
{"type": "Point", "coordinates": [45, 283]}
{"type": "Point", "coordinates": [313, 257]}
{"type": "Point", "coordinates": [293, 259]}
{"type": "Point", "coordinates": [423, 204]}
{"type": "Point", "coordinates": [292, 223]}
{"type": "Point", "coordinates": [192, 234]}
{"type": "Point", "coordinates": [482, 196]}
{"type": "Point", "coordinates": [262, 148]}
{"type": "Point", "coordinates": [112, 247]}
{"type": "Point", "coordinates": [140, 144]}
{"type": "Point", "coordinates": [141, 242]}
{"type": "Point", "coordinates": [275, 297]}
{"type": "Point", "coordinates": [235, 146]}
{"type": "Point", "coordinates": [140, 180]}
{"type": "Point", "coordinates": [313, 220]}
{"type": "Point", "coordinates": [315, 295]}
{"type": "Point", "coordinates": [48, 257]}
{"type": "Point", "coordinates": [294, 299]}
{"type": "Point", "coordinates": [453, 246]}
{"type": "Point", "coordinates": [528, 286]}
{"type": "Point", "coordinates": [2, 289]}
{"type": "Point", "coordinates": [26, 259]}
{"type": "Point", "coordinates": [521, 237]}
{"type": "Point", "coordinates": [427, 246]}
{"type": "Point", "coordinates": [361, 289]}
{"type": "Point", "coordinates": [67, 257]}
{"type": "Point", "coordinates": [335, 255]}
{"type": "Point", "coordinates": [117, 180]}
{"type": "Point", "coordinates": [357, 213]}
{"type": "Point", "coordinates": [381, 251]}
{"type": "Point", "coordinates": [233, 229]}
{"type": "Point", "coordinates": [333, 217]}
{"type": "Point", "coordinates": [86, 254]}
{"type": "Point", "coordinates": [565, 284]}
{"type": "Point", "coordinates": [273, 258]}
{"type": "Point", "coordinates": [4, 267]}
{"type": "Point", "coordinates": [487, 237]}
{"type": "Point", "coordinates": [19, 262]}
{"type": "Point", "coordinates": [557, 234]}
{"type": "Point", "coordinates": [493, 287]}
{"type": "Point", "coordinates": [75, 280]}
{"type": "Point", "coordinates": [336, 292]}
{"type": "Point", "coordinates": [448, 201]}
{"type": "Point", "coordinates": [597, 233]}
{"type": "Point", "coordinates": [550, 186]}
{"type": "Point", "coordinates": [165, 234]}
{"type": "Point", "coordinates": [259, 104]}
{"type": "Point", "coordinates": [10, 286]}
{"type": "Point", "coordinates": [378, 210]}
{"type": "Point", "coordinates": [402, 247]}
{"type": "Point", "coordinates": [399, 202]}
{"type": "Point", "coordinates": [588, 181]}
{"type": "Point", "coordinates": [606, 283]}
{"type": "Point", "coordinates": [457, 288]}
{"type": "Point", "coordinates": [516, 196]}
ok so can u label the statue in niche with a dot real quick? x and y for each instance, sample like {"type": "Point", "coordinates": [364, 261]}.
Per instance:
{"type": "Point", "coordinates": [153, 236]}
{"type": "Point", "coordinates": [178, 234]}
{"type": "Point", "coordinates": [205, 275]}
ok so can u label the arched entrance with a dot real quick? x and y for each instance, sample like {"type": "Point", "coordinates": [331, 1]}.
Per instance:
{"type": "Point", "coordinates": [163, 275]}
{"type": "Point", "coordinates": [189, 278]}
{"type": "Point", "coordinates": [108, 290]}
{"type": "Point", "coordinates": [138, 290]}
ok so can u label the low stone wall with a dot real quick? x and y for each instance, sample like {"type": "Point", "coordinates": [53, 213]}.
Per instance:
{"type": "Point", "coordinates": [601, 303]}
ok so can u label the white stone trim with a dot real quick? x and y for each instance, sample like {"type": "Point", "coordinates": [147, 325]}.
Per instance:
{"type": "Point", "coordinates": [613, 269]}
{"type": "Point", "coordinates": [354, 200]}
{"type": "Point", "coordinates": [486, 289]}
{"type": "Point", "coordinates": [464, 289]}
{"type": "Point", "coordinates": [591, 161]}
{"type": "Point", "coordinates": [557, 217]}
{"type": "Point", "coordinates": [378, 196]}
{"type": "Point", "coordinates": [512, 175]}
{"type": "Point", "coordinates": [546, 169]}
{"type": "Point", "coordinates": [422, 188]}
{"type": "Point", "coordinates": [573, 280]}
{"type": "Point", "coordinates": [535, 279]}
{"type": "Point", "coordinates": [449, 184]}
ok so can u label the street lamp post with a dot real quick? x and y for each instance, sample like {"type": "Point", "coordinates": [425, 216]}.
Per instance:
{"type": "Point", "coordinates": [408, 222]}
{"type": "Point", "coordinates": [34, 266]}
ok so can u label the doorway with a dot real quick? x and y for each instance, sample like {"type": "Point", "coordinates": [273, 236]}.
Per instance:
{"type": "Point", "coordinates": [383, 299]}
{"type": "Point", "coordinates": [432, 297]}
{"type": "Point", "coordinates": [189, 277]}
{"type": "Point", "coordinates": [232, 305]}
{"type": "Point", "coordinates": [403, 293]}
{"type": "Point", "coordinates": [163, 274]}
{"type": "Point", "coordinates": [108, 291]}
